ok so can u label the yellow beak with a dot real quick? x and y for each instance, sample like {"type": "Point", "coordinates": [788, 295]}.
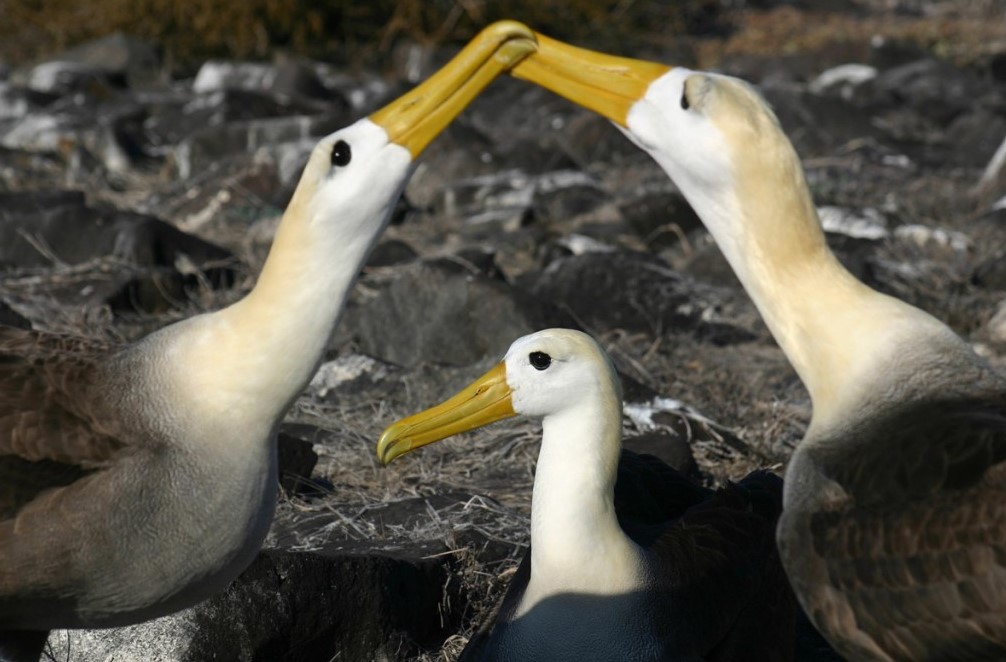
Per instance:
{"type": "Point", "coordinates": [606, 84]}
{"type": "Point", "coordinates": [484, 401]}
{"type": "Point", "coordinates": [417, 117]}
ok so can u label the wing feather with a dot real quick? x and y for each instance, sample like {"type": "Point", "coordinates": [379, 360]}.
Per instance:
{"type": "Point", "coordinates": [911, 559]}
{"type": "Point", "coordinates": [49, 434]}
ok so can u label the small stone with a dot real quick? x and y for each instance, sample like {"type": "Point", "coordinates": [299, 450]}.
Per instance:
{"type": "Point", "coordinates": [997, 325]}
{"type": "Point", "coordinates": [673, 449]}
{"type": "Point", "coordinates": [392, 252]}
{"type": "Point", "coordinates": [845, 80]}
{"type": "Point", "coordinates": [624, 290]}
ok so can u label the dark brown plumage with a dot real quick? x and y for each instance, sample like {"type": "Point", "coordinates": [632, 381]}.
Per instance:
{"type": "Point", "coordinates": [723, 595]}
{"type": "Point", "coordinates": [915, 544]}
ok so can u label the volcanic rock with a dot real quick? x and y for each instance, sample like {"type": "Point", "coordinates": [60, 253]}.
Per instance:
{"type": "Point", "coordinates": [286, 78]}
{"type": "Point", "coordinates": [636, 292]}
{"type": "Point", "coordinates": [932, 88]}
{"type": "Point", "coordinates": [122, 59]}
{"type": "Point", "coordinates": [659, 214]}
{"type": "Point", "coordinates": [297, 606]}
{"type": "Point", "coordinates": [297, 460]}
{"type": "Point", "coordinates": [671, 448]}
{"type": "Point", "coordinates": [10, 317]}
{"type": "Point", "coordinates": [818, 124]}
{"type": "Point", "coordinates": [154, 262]}
{"type": "Point", "coordinates": [440, 312]}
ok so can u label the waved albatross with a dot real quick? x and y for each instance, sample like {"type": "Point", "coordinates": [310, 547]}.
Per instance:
{"type": "Point", "coordinates": [893, 531]}
{"type": "Point", "coordinates": [629, 560]}
{"type": "Point", "coordinates": [136, 480]}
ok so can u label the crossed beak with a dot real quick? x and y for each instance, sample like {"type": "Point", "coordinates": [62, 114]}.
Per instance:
{"type": "Point", "coordinates": [417, 117]}
{"type": "Point", "coordinates": [606, 84]}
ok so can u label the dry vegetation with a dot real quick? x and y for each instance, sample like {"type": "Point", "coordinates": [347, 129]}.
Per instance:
{"type": "Point", "coordinates": [349, 31]}
{"type": "Point", "coordinates": [959, 31]}
{"type": "Point", "coordinates": [341, 29]}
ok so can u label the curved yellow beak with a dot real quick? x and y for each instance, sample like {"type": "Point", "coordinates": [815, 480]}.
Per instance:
{"type": "Point", "coordinates": [484, 401]}
{"type": "Point", "coordinates": [417, 117]}
{"type": "Point", "coordinates": [607, 84]}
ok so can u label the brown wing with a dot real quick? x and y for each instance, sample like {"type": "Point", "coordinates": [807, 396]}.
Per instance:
{"type": "Point", "coordinates": [48, 437]}
{"type": "Point", "coordinates": [723, 586]}
{"type": "Point", "coordinates": [922, 450]}
{"type": "Point", "coordinates": [912, 562]}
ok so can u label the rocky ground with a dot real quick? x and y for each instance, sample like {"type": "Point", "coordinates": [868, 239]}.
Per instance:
{"type": "Point", "coordinates": [129, 200]}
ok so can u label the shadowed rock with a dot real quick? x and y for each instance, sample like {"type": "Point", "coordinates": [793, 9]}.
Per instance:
{"type": "Point", "coordinates": [818, 124]}
{"type": "Point", "coordinates": [659, 215]}
{"type": "Point", "coordinates": [440, 312]}
{"type": "Point", "coordinates": [125, 60]}
{"type": "Point", "coordinates": [637, 292]}
{"type": "Point", "coordinates": [345, 599]}
{"type": "Point", "coordinates": [152, 262]}
{"type": "Point", "coordinates": [671, 448]}
{"type": "Point", "coordinates": [10, 317]}
{"type": "Point", "coordinates": [296, 606]}
{"type": "Point", "coordinates": [933, 88]}
{"type": "Point", "coordinates": [297, 460]}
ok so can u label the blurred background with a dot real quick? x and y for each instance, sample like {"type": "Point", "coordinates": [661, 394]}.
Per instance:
{"type": "Point", "coordinates": [348, 32]}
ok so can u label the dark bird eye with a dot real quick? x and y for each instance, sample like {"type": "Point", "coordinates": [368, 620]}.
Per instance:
{"type": "Point", "coordinates": [540, 360]}
{"type": "Point", "coordinates": [341, 153]}
{"type": "Point", "coordinates": [684, 100]}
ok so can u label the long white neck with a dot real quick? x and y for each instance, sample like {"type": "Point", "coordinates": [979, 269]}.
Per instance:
{"type": "Point", "coordinates": [255, 356]}
{"type": "Point", "coordinates": [836, 332]}
{"type": "Point", "coordinates": [576, 542]}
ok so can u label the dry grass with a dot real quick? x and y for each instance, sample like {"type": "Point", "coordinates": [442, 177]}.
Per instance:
{"type": "Point", "coordinates": [959, 31]}
{"type": "Point", "coordinates": [340, 29]}
{"type": "Point", "coordinates": [356, 32]}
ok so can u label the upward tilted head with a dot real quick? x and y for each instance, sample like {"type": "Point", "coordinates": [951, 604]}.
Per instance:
{"type": "Point", "coordinates": [723, 147]}
{"type": "Point", "coordinates": [713, 134]}
{"type": "Point", "coordinates": [150, 468]}
{"type": "Point", "coordinates": [343, 201]}
{"type": "Point", "coordinates": [548, 373]}
{"type": "Point", "coordinates": [360, 169]}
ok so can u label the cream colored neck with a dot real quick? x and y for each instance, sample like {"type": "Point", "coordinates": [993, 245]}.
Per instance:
{"type": "Point", "coordinates": [259, 353]}
{"type": "Point", "coordinates": [836, 332]}
{"type": "Point", "coordinates": [576, 543]}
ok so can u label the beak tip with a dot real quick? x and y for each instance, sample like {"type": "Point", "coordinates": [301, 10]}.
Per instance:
{"type": "Point", "coordinates": [508, 29]}
{"type": "Point", "coordinates": [387, 447]}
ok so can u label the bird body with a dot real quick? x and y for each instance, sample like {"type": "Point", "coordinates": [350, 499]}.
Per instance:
{"type": "Point", "coordinates": [137, 479]}
{"type": "Point", "coordinates": [893, 532]}
{"type": "Point", "coordinates": [628, 558]}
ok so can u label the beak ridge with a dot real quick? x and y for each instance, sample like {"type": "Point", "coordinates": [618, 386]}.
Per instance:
{"type": "Point", "coordinates": [484, 401]}
{"type": "Point", "coordinates": [607, 84]}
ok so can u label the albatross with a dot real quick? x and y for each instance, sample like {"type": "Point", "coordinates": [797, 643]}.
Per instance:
{"type": "Point", "coordinates": [139, 479]}
{"type": "Point", "coordinates": [629, 560]}
{"type": "Point", "coordinates": [893, 531]}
